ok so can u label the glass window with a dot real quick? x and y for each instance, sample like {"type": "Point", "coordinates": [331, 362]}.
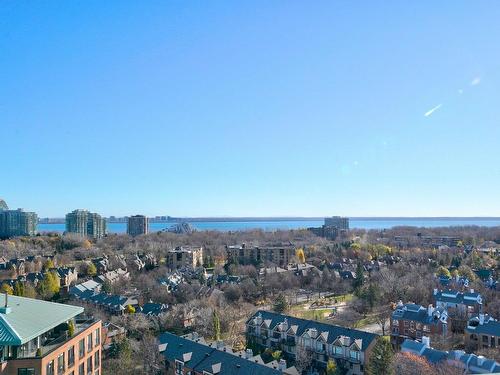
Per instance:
{"type": "Point", "coordinates": [89, 365]}
{"type": "Point", "coordinates": [89, 342]}
{"type": "Point", "coordinates": [81, 369]}
{"type": "Point", "coordinates": [26, 371]}
{"type": "Point", "coordinates": [71, 356]}
{"type": "Point", "coordinates": [96, 359]}
{"type": "Point", "coordinates": [81, 348]}
{"type": "Point", "coordinates": [60, 364]}
{"type": "Point", "coordinates": [50, 368]}
{"type": "Point", "coordinates": [97, 336]}
{"type": "Point", "coordinates": [354, 354]}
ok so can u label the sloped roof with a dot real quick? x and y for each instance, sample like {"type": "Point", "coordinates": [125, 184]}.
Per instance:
{"type": "Point", "coordinates": [304, 324]}
{"type": "Point", "coordinates": [29, 318]}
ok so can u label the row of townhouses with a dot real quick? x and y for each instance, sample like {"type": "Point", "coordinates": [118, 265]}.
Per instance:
{"type": "Point", "coordinates": [350, 348]}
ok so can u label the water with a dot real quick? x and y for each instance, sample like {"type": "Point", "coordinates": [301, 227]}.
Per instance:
{"type": "Point", "coordinates": [359, 223]}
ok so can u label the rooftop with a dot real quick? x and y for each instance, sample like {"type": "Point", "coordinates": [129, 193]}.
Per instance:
{"type": "Point", "coordinates": [27, 318]}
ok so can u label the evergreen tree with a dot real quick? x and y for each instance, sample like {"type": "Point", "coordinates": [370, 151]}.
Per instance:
{"type": "Point", "coordinates": [381, 357]}
{"type": "Point", "coordinates": [19, 289]}
{"type": "Point", "coordinates": [280, 304]}
{"type": "Point", "coordinates": [216, 325]}
{"type": "Point", "coordinates": [360, 277]}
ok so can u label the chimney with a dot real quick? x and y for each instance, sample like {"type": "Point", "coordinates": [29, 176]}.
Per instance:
{"type": "Point", "coordinates": [481, 319]}
{"type": "Point", "coordinates": [5, 309]}
{"type": "Point", "coordinates": [426, 341]}
{"type": "Point", "coordinates": [313, 332]}
{"type": "Point", "coordinates": [282, 365]}
{"type": "Point", "coordinates": [248, 353]}
{"type": "Point", "coordinates": [472, 290]}
{"type": "Point", "coordinates": [435, 291]}
{"type": "Point", "coordinates": [430, 310]}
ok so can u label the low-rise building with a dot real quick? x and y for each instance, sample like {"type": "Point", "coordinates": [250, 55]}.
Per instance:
{"type": "Point", "coordinates": [350, 348]}
{"type": "Point", "coordinates": [464, 303]}
{"type": "Point", "coordinates": [415, 321]}
{"type": "Point", "coordinates": [482, 331]}
{"type": "Point", "coordinates": [278, 254]}
{"type": "Point", "coordinates": [184, 256]}
{"type": "Point", "coordinates": [185, 356]}
{"type": "Point", "coordinates": [35, 338]}
{"type": "Point", "coordinates": [465, 363]}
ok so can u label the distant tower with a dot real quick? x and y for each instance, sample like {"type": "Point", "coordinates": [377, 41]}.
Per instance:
{"type": "Point", "coordinates": [84, 223]}
{"type": "Point", "coordinates": [137, 225]}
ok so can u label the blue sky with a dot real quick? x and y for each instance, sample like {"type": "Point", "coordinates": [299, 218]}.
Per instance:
{"type": "Point", "coordinates": [259, 108]}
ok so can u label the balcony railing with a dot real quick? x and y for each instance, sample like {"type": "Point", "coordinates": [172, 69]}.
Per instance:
{"type": "Point", "coordinates": [52, 343]}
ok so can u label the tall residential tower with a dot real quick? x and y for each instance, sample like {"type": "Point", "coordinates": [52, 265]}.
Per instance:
{"type": "Point", "coordinates": [86, 224]}
{"type": "Point", "coordinates": [137, 225]}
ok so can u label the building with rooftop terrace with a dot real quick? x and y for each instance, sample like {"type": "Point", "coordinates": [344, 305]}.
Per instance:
{"type": "Point", "coordinates": [46, 338]}
{"type": "Point", "coordinates": [464, 362]}
{"type": "Point", "coordinates": [193, 355]}
{"type": "Point", "coordinates": [184, 256]}
{"type": "Point", "coordinates": [350, 348]}
{"type": "Point", "coordinates": [415, 321]}
{"type": "Point", "coordinates": [482, 331]}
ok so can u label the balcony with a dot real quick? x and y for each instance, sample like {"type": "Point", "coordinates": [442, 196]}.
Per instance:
{"type": "Point", "coordinates": [50, 341]}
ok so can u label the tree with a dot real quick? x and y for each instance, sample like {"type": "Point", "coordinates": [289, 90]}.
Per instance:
{"type": "Point", "coordinates": [48, 265]}
{"type": "Point", "coordinates": [6, 288]}
{"type": "Point", "coordinates": [106, 286]}
{"type": "Point", "coordinates": [360, 277]}
{"type": "Point", "coordinates": [280, 304]}
{"type": "Point", "coordinates": [331, 367]}
{"type": "Point", "coordinates": [443, 271]}
{"type": "Point", "coordinates": [91, 270]}
{"type": "Point", "coordinates": [19, 289]}
{"type": "Point", "coordinates": [303, 358]}
{"type": "Point", "coordinates": [129, 309]}
{"type": "Point", "coordinates": [410, 364]}
{"type": "Point", "coordinates": [381, 358]}
{"type": "Point", "coordinates": [49, 286]}
{"type": "Point", "coordinates": [216, 325]}
{"type": "Point", "coordinates": [71, 328]}
{"type": "Point", "coordinates": [301, 258]}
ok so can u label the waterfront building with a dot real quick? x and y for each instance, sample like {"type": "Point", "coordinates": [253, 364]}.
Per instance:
{"type": "Point", "coordinates": [349, 348]}
{"type": "Point", "coordinates": [137, 225]}
{"type": "Point", "coordinates": [278, 254]}
{"type": "Point", "coordinates": [85, 224]}
{"type": "Point", "coordinates": [184, 256]}
{"type": "Point", "coordinates": [341, 223]}
{"type": "Point", "coordinates": [39, 337]}
{"type": "Point", "coordinates": [17, 223]}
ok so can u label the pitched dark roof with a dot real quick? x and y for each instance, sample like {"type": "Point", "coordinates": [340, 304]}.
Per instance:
{"type": "Point", "coordinates": [334, 331]}
{"type": "Point", "coordinates": [201, 358]}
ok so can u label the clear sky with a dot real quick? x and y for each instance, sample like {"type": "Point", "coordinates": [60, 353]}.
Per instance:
{"type": "Point", "coordinates": [259, 108]}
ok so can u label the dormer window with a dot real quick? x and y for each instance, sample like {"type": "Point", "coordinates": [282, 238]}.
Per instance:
{"type": "Point", "coordinates": [354, 354]}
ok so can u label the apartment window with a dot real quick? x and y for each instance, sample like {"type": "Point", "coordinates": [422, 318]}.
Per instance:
{"type": "Point", "coordinates": [50, 368]}
{"type": "Point", "coordinates": [337, 350]}
{"type": "Point", "coordinates": [72, 373]}
{"type": "Point", "coordinates": [71, 356]}
{"type": "Point", "coordinates": [81, 369]}
{"type": "Point", "coordinates": [26, 371]}
{"type": "Point", "coordinates": [354, 354]}
{"type": "Point", "coordinates": [81, 348]}
{"type": "Point", "coordinates": [97, 336]}
{"type": "Point", "coordinates": [96, 359]}
{"type": "Point", "coordinates": [179, 366]}
{"type": "Point", "coordinates": [427, 328]}
{"type": "Point", "coordinates": [89, 342]}
{"type": "Point", "coordinates": [406, 323]}
{"type": "Point", "coordinates": [60, 364]}
{"type": "Point", "coordinates": [485, 339]}
{"type": "Point", "coordinates": [412, 325]}
{"type": "Point", "coordinates": [89, 365]}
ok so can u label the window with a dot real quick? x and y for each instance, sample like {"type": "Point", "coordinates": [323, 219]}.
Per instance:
{"type": "Point", "coordinates": [81, 369]}
{"type": "Point", "coordinates": [60, 364]}
{"type": "Point", "coordinates": [71, 356]}
{"type": "Point", "coordinates": [337, 350]}
{"type": "Point", "coordinates": [81, 348]}
{"type": "Point", "coordinates": [96, 359]}
{"type": "Point", "coordinates": [89, 342]}
{"type": "Point", "coordinates": [89, 365]}
{"type": "Point", "coordinates": [354, 354]}
{"type": "Point", "coordinates": [50, 368]}
{"type": "Point", "coordinates": [26, 371]}
{"type": "Point", "coordinates": [97, 336]}
{"type": "Point", "coordinates": [178, 367]}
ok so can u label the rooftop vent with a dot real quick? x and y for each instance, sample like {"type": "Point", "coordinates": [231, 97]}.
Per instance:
{"type": "Point", "coordinates": [5, 309]}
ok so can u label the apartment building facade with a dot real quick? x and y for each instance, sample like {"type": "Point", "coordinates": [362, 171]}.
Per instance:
{"type": "Point", "coordinates": [412, 321]}
{"type": "Point", "coordinates": [137, 225]}
{"type": "Point", "coordinates": [482, 332]}
{"type": "Point", "coordinates": [45, 338]}
{"type": "Point", "coordinates": [17, 223]}
{"type": "Point", "coordinates": [182, 256]}
{"type": "Point", "coordinates": [86, 224]}
{"type": "Point", "coordinates": [279, 254]}
{"type": "Point", "coordinates": [350, 348]}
